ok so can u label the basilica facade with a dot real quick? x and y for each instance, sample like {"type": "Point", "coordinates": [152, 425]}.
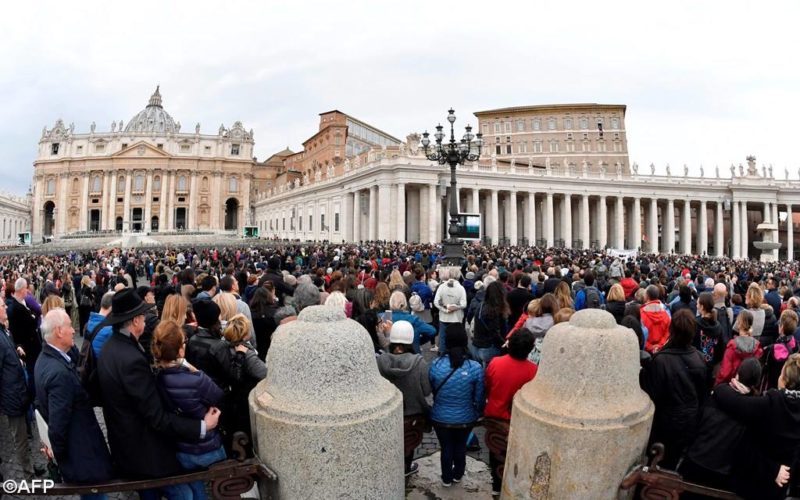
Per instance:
{"type": "Point", "coordinates": [142, 175]}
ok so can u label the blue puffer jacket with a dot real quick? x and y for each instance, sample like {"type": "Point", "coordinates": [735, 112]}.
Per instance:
{"type": "Point", "coordinates": [190, 394]}
{"type": "Point", "coordinates": [461, 399]}
{"type": "Point", "coordinates": [420, 327]}
{"type": "Point", "coordinates": [101, 337]}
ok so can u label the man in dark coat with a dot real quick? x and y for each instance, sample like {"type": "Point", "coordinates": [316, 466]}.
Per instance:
{"type": "Point", "coordinates": [141, 433]}
{"type": "Point", "coordinates": [24, 327]}
{"type": "Point", "coordinates": [274, 275]}
{"type": "Point", "coordinates": [14, 398]}
{"type": "Point", "coordinates": [519, 297]}
{"type": "Point", "coordinates": [76, 441]}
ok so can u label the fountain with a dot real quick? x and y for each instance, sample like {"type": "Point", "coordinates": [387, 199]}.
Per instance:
{"type": "Point", "coordinates": [766, 245]}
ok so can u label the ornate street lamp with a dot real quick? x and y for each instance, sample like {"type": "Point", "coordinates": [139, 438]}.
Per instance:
{"type": "Point", "coordinates": [453, 153]}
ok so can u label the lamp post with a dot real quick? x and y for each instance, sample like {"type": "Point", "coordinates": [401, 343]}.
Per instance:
{"type": "Point", "coordinates": [453, 153]}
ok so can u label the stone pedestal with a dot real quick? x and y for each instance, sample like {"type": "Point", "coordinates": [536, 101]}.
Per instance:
{"type": "Point", "coordinates": [583, 422]}
{"type": "Point", "coordinates": [324, 419]}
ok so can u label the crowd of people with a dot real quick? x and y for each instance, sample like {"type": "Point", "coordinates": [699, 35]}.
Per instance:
{"type": "Point", "coordinates": [175, 339]}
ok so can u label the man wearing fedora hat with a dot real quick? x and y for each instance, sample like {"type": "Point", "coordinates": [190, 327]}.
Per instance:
{"type": "Point", "coordinates": [141, 433]}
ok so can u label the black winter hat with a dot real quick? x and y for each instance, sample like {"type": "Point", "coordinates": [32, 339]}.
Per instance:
{"type": "Point", "coordinates": [206, 312]}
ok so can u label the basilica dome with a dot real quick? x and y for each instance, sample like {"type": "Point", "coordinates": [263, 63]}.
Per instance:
{"type": "Point", "coordinates": [153, 118]}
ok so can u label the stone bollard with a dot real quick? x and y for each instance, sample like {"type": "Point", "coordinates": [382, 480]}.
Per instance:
{"type": "Point", "coordinates": [583, 422]}
{"type": "Point", "coordinates": [324, 419]}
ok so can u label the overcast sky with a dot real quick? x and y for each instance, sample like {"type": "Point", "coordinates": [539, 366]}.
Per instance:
{"type": "Point", "coordinates": [705, 82]}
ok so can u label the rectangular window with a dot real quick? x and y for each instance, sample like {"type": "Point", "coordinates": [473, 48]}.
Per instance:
{"type": "Point", "coordinates": [601, 146]}
{"type": "Point", "coordinates": [584, 123]}
{"type": "Point", "coordinates": [617, 147]}
{"type": "Point", "coordinates": [124, 145]}
{"type": "Point", "coordinates": [554, 146]}
{"type": "Point", "coordinates": [336, 222]}
{"type": "Point", "coordinates": [497, 127]}
{"type": "Point", "coordinates": [283, 223]}
{"type": "Point", "coordinates": [570, 147]}
{"type": "Point", "coordinates": [615, 123]}
{"type": "Point", "coordinates": [234, 150]}
{"type": "Point", "coordinates": [537, 147]}
{"type": "Point", "coordinates": [507, 126]}
{"type": "Point", "coordinates": [568, 123]}
{"type": "Point", "coordinates": [80, 149]}
{"type": "Point", "coordinates": [160, 145]}
{"type": "Point", "coordinates": [522, 147]}
{"type": "Point", "coordinates": [585, 147]}
{"type": "Point", "coordinates": [301, 222]}
{"type": "Point", "coordinates": [207, 149]}
{"type": "Point", "coordinates": [537, 124]}
{"type": "Point", "coordinates": [99, 148]}
{"type": "Point", "coordinates": [322, 222]}
{"type": "Point", "coordinates": [310, 222]}
{"type": "Point", "coordinates": [551, 124]}
{"type": "Point", "coordinates": [520, 125]}
{"type": "Point", "coordinates": [498, 149]}
{"type": "Point", "coordinates": [185, 148]}
{"type": "Point", "coordinates": [508, 149]}
{"type": "Point", "coordinates": [485, 129]}
{"type": "Point", "coordinates": [54, 148]}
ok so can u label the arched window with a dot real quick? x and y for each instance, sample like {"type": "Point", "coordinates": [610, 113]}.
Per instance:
{"type": "Point", "coordinates": [138, 182]}
{"type": "Point", "coordinates": [121, 184]}
{"type": "Point", "coordinates": [233, 185]}
{"type": "Point", "coordinates": [157, 182]}
{"type": "Point", "coordinates": [96, 184]}
{"type": "Point", "coordinates": [51, 186]}
{"type": "Point", "coordinates": [182, 183]}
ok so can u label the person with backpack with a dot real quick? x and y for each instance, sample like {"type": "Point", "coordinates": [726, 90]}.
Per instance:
{"type": "Point", "coordinates": [708, 338]}
{"type": "Point", "coordinates": [76, 440]}
{"type": "Point", "coordinates": [98, 338]}
{"type": "Point", "coordinates": [656, 319]}
{"type": "Point", "coordinates": [458, 400]}
{"type": "Point", "coordinates": [775, 355]}
{"type": "Point", "coordinates": [589, 297]}
{"type": "Point", "coordinates": [491, 324]}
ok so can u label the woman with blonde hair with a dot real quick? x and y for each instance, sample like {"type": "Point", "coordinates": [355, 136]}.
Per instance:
{"type": "Point", "coordinates": [245, 370]}
{"type": "Point", "coordinates": [615, 302]}
{"type": "Point", "coordinates": [380, 299]}
{"type": "Point", "coordinates": [396, 283]}
{"type": "Point", "coordinates": [764, 321]}
{"type": "Point", "coordinates": [50, 303]}
{"type": "Point", "coordinates": [227, 307]}
{"type": "Point", "coordinates": [564, 296]}
{"type": "Point", "coordinates": [85, 301]}
{"type": "Point", "coordinates": [176, 308]}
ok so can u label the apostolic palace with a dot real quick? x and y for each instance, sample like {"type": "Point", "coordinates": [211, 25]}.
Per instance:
{"type": "Point", "coordinates": [556, 175]}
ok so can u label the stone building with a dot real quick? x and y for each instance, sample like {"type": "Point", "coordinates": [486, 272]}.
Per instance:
{"type": "Point", "coordinates": [398, 194]}
{"type": "Point", "coordinates": [15, 218]}
{"type": "Point", "coordinates": [142, 175]}
{"type": "Point", "coordinates": [572, 136]}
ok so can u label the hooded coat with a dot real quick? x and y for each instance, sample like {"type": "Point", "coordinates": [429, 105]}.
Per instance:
{"type": "Point", "coordinates": [409, 373]}
{"type": "Point", "coordinates": [738, 349]}
{"type": "Point", "coordinates": [656, 319]}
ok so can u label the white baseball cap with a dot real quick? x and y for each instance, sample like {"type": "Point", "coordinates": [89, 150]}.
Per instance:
{"type": "Point", "coordinates": [402, 333]}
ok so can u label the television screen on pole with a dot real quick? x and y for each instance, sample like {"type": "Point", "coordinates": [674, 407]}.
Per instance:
{"type": "Point", "coordinates": [469, 226]}
{"type": "Point", "coordinates": [251, 231]}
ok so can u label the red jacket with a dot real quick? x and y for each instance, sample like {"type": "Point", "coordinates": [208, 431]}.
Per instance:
{"type": "Point", "coordinates": [737, 350]}
{"type": "Point", "coordinates": [504, 377]}
{"type": "Point", "coordinates": [656, 319]}
{"type": "Point", "coordinates": [630, 286]}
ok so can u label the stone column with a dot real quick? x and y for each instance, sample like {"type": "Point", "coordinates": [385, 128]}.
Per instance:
{"type": "Point", "coordinates": [494, 217]}
{"type": "Point", "coordinates": [549, 222]}
{"type": "Point", "coordinates": [653, 229]}
{"type": "Point", "coordinates": [148, 201]}
{"type": "Point", "coordinates": [401, 213]}
{"type": "Point", "coordinates": [531, 226]}
{"type": "Point", "coordinates": [669, 227]}
{"type": "Point", "coordinates": [566, 216]}
{"type": "Point", "coordinates": [619, 223]}
{"type": "Point", "coordinates": [702, 229]}
{"type": "Point", "coordinates": [476, 201]}
{"type": "Point", "coordinates": [719, 231]}
{"type": "Point", "coordinates": [776, 232]}
{"type": "Point", "coordinates": [585, 221]}
{"type": "Point", "coordinates": [356, 216]}
{"type": "Point", "coordinates": [346, 216]}
{"type": "Point", "coordinates": [191, 222]}
{"type": "Point", "coordinates": [346, 431]}
{"type": "Point", "coordinates": [84, 214]}
{"type": "Point", "coordinates": [554, 441]}
{"type": "Point", "coordinates": [373, 213]}
{"type": "Point", "coordinates": [170, 202]}
{"type": "Point", "coordinates": [745, 232]}
{"type": "Point", "coordinates": [602, 215]}
{"type": "Point", "coordinates": [636, 228]}
{"type": "Point", "coordinates": [434, 235]}
{"type": "Point", "coordinates": [789, 233]}
{"type": "Point", "coordinates": [736, 232]}
{"type": "Point", "coordinates": [126, 210]}
{"type": "Point", "coordinates": [216, 203]}
{"type": "Point", "coordinates": [511, 223]}
{"type": "Point", "coordinates": [112, 205]}
{"type": "Point", "coordinates": [162, 203]}
{"type": "Point", "coordinates": [384, 213]}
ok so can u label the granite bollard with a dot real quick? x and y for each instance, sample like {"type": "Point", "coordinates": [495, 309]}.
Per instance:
{"type": "Point", "coordinates": [583, 422]}
{"type": "Point", "coordinates": [324, 419]}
